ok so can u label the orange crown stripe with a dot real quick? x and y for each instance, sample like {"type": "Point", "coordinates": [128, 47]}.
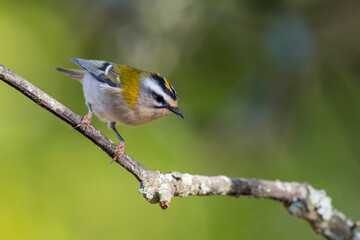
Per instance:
{"type": "Point", "coordinates": [167, 85]}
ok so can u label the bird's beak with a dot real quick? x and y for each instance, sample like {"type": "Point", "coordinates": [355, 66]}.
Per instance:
{"type": "Point", "coordinates": [176, 111]}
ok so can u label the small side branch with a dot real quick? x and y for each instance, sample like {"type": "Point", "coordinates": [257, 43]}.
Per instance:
{"type": "Point", "coordinates": [300, 199]}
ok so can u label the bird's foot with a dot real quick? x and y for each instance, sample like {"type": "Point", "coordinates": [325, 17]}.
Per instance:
{"type": "Point", "coordinates": [120, 150]}
{"type": "Point", "coordinates": [86, 121]}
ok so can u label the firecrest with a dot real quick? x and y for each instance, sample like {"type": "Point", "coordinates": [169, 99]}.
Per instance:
{"type": "Point", "coordinates": [122, 94]}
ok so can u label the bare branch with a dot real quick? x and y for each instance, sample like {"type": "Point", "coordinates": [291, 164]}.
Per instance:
{"type": "Point", "coordinates": [300, 199]}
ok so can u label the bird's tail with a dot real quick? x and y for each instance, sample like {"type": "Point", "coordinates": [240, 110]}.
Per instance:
{"type": "Point", "coordinates": [74, 73]}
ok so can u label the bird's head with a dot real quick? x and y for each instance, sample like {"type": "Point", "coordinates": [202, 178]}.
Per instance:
{"type": "Point", "coordinates": [158, 96]}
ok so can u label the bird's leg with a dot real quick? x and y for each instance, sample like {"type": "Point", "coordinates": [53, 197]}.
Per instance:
{"type": "Point", "coordinates": [120, 149]}
{"type": "Point", "coordinates": [86, 119]}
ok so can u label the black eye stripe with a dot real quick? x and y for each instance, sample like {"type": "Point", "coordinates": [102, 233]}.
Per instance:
{"type": "Point", "coordinates": [158, 98]}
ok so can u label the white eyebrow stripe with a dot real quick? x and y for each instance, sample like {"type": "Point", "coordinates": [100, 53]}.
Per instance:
{"type": "Point", "coordinates": [107, 69]}
{"type": "Point", "coordinates": [157, 89]}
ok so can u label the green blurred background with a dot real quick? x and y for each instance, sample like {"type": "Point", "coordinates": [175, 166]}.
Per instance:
{"type": "Point", "coordinates": [270, 89]}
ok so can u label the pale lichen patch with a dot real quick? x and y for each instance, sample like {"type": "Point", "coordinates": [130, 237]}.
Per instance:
{"type": "Point", "coordinates": [168, 176]}
{"type": "Point", "coordinates": [280, 185]}
{"type": "Point", "coordinates": [187, 179]}
{"type": "Point", "coordinates": [226, 179]}
{"type": "Point", "coordinates": [288, 187]}
{"type": "Point", "coordinates": [321, 202]}
{"type": "Point", "coordinates": [204, 188]}
{"type": "Point", "coordinates": [164, 192]}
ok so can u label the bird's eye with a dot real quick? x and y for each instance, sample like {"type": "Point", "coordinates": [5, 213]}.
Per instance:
{"type": "Point", "coordinates": [159, 98]}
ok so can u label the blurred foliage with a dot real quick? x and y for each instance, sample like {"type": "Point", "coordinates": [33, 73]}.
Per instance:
{"type": "Point", "coordinates": [270, 90]}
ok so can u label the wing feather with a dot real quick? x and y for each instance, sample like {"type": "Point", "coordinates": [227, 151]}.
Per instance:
{"type": "Point", "coordinates": [74, 73]}
{"type": "Point", "coordinates": [102, 71]}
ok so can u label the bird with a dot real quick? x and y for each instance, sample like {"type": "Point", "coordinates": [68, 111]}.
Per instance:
{"type": "Point", "coordinates": [122, 94]}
